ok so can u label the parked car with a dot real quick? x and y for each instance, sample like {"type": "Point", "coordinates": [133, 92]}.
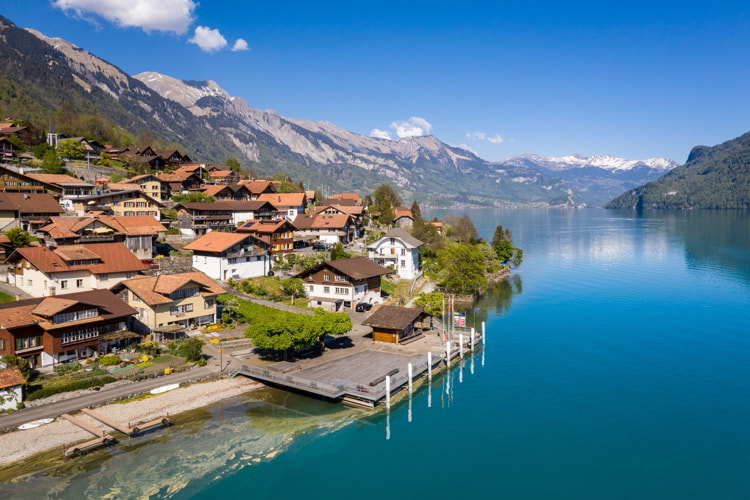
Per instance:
{"type": "Point", "coordinates": [363, 307]}
{"type": "Point", "coordinates": [149, 262]}
{"type": "Point", "coordinates": [319, 245]}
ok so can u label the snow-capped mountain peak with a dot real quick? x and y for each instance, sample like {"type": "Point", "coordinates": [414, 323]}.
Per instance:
{"type": "Point", "coordinates": [604, 162]}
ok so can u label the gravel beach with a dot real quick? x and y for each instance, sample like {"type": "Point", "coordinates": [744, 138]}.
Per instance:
{"type": "Point", "coordinates": [21, 444]}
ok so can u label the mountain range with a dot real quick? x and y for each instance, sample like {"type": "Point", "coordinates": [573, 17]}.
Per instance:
{"type": "Point", "coordinates": [712, 177]}
{"type": "Point", "coordinates": [39, 73]}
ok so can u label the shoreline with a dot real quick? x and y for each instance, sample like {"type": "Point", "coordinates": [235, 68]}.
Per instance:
{"type": "Point", "coordinates": [19, 445]}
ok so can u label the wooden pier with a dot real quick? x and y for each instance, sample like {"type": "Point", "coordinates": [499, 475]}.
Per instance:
{"type": "Point", "coordinates": [102, 440]}
{"type": "Point", "coordinates": [360, 378]}
{"type": "Point", "coordinates": [126, 429]}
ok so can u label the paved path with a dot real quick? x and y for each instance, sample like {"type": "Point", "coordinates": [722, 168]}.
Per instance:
{"type": "Point", "coordinates": [11, 290]}
{"type": "Point", "coordinates": [97, 398]}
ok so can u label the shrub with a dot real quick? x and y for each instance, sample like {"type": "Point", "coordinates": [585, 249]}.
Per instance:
{"type": "Point", "coordinates": [173, 231]}
{"type": "Point", "coordinates": [73, 386]}
{"type": "Point", "coordinates": [23, 365]}
{"type": "Point", "coordinates": [67, 368]}
{"type": "Point", "coordinates": [191, 349]}
{"type": "Point", "coordinates": [110, 360]}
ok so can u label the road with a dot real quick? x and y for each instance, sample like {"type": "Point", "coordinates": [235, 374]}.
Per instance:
{"type": "Point", "coordinates": [97, 398]}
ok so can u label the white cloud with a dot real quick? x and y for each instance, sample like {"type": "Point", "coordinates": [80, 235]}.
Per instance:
{"type": "Point", "coordinates": [413, 127]}
{"type": "Point", "coordinates": [150, 15]}
{"type": "Point", "coordinates": [468, 148]}
{"type": "Point", "coordinates": [380, 134]}
{"type": "Point", "coordinates": [482, 136]}
{"type": "Point", "coordinates": [240, 45]}
{"type": "Point", "coordinates": [209, 40]}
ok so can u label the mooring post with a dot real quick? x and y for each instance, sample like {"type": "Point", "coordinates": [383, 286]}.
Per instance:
{"type": "Point", "coordinates": [388, 391]}
{"type": "Point", "coordinates": [484, 336]}
{"type": "Point", "coordinates": [429, 365]}
{"type": "Point", "coordinates": [411, 372]}
{"type": "Point", "coordinates": [448, 353]}
{"type": "Point", "coordinates": [472, 339]}
{"type": "Point", "coordinates": [461, 345]}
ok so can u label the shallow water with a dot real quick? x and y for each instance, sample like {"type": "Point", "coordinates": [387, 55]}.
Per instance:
{"type": "Point", "coordinates": [617, 366]}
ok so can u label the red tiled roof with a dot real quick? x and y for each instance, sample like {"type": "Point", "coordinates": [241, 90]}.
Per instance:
{"type": "Point", "coordinates": [114, 257]}
{"type": "Point", "coordinates": [68, 227]}
{"type": "Point", "coordinates": [216, 241]}
{"type": "Point", "coordinates": [322, 221]}
{"type": "Point", "coordinates": [55, 179]}
{"type": "Point", "coordinates": [346, 196]}
{"type": "Point", "coordinates": [10, 377]}
{"type": "Point", "coordinates": [156, 289]}
{"type": "Point", "coordinates": [35, 203]}
{"type": "Point", "coordinates": [284, 199]}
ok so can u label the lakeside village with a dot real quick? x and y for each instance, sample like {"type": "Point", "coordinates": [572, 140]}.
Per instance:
{"type": "Point", "coordinates": [135, 269]}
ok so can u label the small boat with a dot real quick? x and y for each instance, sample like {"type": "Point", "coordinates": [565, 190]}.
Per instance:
{"type": "Point", "coordinates": [164, 388]}
{"type": "Point", "coordinates": [35, 423]}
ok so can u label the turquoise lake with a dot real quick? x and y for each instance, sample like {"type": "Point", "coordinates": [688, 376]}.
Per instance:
{"type": "Point", "coordinates": [617, 366]}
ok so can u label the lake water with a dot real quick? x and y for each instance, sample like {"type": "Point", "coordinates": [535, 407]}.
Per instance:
{"type": "Point", "coordinates": [617, 366]}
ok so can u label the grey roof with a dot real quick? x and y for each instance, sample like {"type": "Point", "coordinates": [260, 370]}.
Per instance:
{"type": "Point", "coordinates": [401, 234]}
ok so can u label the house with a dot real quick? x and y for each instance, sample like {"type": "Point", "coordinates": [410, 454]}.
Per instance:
{"type": "Point", "coordinates": [346, 202]}
{"type": "Point", "coordinates": [186, 300]}
{"type": "Point", "coordinates": [12, 181]}
{"type": "Point", "coordinates": [223, 176]}
{"type": "Point", "coordinates": [343, 283]}
{"type": "Point", "coordinates": [312, 196]}
{"type": "Point", "coordinates": [198, 169]}
{"type": "Point", "coordinates": [27, 135]}
{"type": "Point", "coordinates": [327, 228]}
{"type": "Point", "coordinates": [438, 225]}
{"type": "Point", "coordinates": [258, 187]}
{"type": "Point", "coordinates": [51, 330]}
{"type": "Point", "coordinates": [172, 157]}
{"type": "Point", "coordinates": [222, 256]}
{"type": "Point", "coordinates": [398, 250]}
{"type": "Point", "coordinates": [347, 196]}
{"type": "Point", "coordinates": [11, 386]}
{"type": "Point", "coordinates": [198, 218]}
{"type": "Point", "coordinates": [120, 204]}
{"type": "Point", "coordinates": [398, 325]}
{"type": "Point", "coordinates": [289, 205]}
{"type": "Point", "coordinates": [8, 150]}
{"type": "Point", "coordinates": [69, 188]}
{"type": "Point", "coordinates": [357, 212]}
{"type": "Point", "coordinates": [182, 182]}
{"type": "Point", "coordinates": [138, 233]}
{"type": "Point", "coordinates": [45, 271]}
{"type": "Point", "coordinates": [402, 217]}
{"type": "Point", "coordinates": [238, 192]}
{"type": "Point", "coordinates": [32, 209]}
{"type": "Point", "coordinates": [278, 234]}
{"type": "Point", "coordinates": [150, 184]}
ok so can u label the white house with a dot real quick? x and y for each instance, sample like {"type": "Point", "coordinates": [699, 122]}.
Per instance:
{"type": "Point", "coordinates": [11, 388]}
{"type": "Point", "coordinates": [398, 250]}
{"type": "Point", "coordinates": [45, 271]}
{"type": "Point", "coordinates": [337, 284]}
{"type": "Point", "coordinates": [288, 205]}
{"type": "Point", "coordinates": [222, 256]}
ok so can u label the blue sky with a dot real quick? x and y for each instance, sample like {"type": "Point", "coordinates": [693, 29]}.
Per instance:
{"type": "Point", "coordinates": [637, 79]}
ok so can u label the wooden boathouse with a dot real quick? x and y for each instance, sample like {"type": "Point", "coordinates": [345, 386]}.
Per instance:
{"type": "Point", "coordinates": [398, 325]}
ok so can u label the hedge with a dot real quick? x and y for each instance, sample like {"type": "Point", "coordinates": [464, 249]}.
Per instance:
{"type": "Point", "coordinates": [73, 386]}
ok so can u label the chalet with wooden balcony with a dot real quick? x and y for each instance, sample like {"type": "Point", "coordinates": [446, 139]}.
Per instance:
{"type": "Point", "coordinates": [327, 228]}
{"type": "Point", "coordinates": [338, 284]}
{"type": "Point", "coordinates": [182, 182]}
{"type": "Point", "coordinates": [27, 210]}
{"type": "Point", "coordinates": [120, 204]}
{"type": "Point", "coordinates": [278, 234]}
{"type": "Point", "coordinates": [288, 205]}
{"type": "Point", "coordinates": [139, 234]}
{"type": "Point", "coordinates": [237, 192]}
{"type": "Point", "coordinates": [258, 187]}
{"type": "Point", "coordinates": [150, 184]}
{"type": "Point", "coordinates": [51, 330]}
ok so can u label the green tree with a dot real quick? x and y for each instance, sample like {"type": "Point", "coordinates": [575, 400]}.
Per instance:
{"type": "Point", "coordinates": [71, 149]}
{"type": "Point", "coordinates": [432, 303]}
{"type": "Point", "coordinates": [387, 192]}
{"type": "Point", "coordinates": [51, 163]}
{"type": "Point", "coordinates": [287, 184]}
{"type": "Point", "coordinates": [462, 268]}
{"type": "Point", "coordinates": [193, 198]}
{"type": "Point", "coordinates": [234, 164]}
{"type": "Point", "coordinates": [22, 364]}
{"type": "Point", "coordinates": [338, 252]}
{"type": "Point", "coordinates": [191, 349]}
{"type": "Point", "coordinates": [293, 287]}
{"type": "Point", "coordinates": [18, 237]}
{"type": "Point", "coordinates": [416, 212]}
{"type": "Point", "coordinates": [502, 243]}
{"type": "Point", "coordinates": [461, 228]}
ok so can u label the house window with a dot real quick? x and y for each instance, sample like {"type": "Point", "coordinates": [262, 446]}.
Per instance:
{"type": "Point", "coordinates": [2, 344]}
{"type": "Point", "coordinates": [403, 251]}
{"type": "Point", "coordinates": [75, 316]}
{"type": "Point", "coordinates": [208, 304]}
{"type": "Point", "coordinates": [403, 263]}
{"type": "Point", "coordinates": [393, 241]}
{"type": "Point", "coordinates": [79, 283]}
{"type": "Point", "coordinates": [103, 277]}
{"type": "Point", "coordinates": [184, 293]}
{"type": "Point", "coordinates": [28, 343]}
{"type": "Point", "coordinates": [341, 278]}
{"type": "Point", "coordinates": [64, 284]}
{"type": "Point", "coordinates": [342, 291]}
{"type": "Point", "coordinates": [310, 288]}
{"type": "Point", "coordinates": [326, 289]}
{"type": "Point", "coordinates": [28, 282]}
{"type": "Point", "coordinates": [326, 277]}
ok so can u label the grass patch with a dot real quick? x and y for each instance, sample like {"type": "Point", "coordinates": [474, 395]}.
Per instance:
{"type": "Point", "coordinates": [38, 392]}
{"type": "Point", "coordinates": [395, 288]}
{"type": "Point", "coordinates": [138, 398]}
{"type": "Point", "coordinates": [6, 297]}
